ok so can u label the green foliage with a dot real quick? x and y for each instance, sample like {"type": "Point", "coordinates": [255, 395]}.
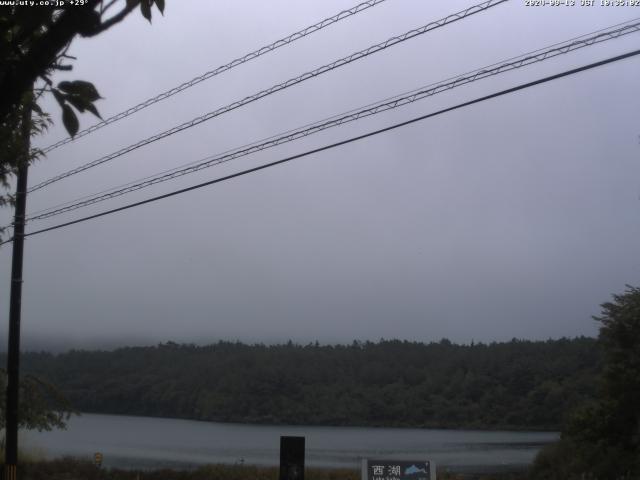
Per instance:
{"type": "Point", "coordinates": [569, 459]}
{"type": "Point", "coordinates": [516, 385]}
{"type": "Point", "coordinates": [145, 7]}
{"type": "Point", "coordinates": [15, 151]}
{"type": "Point", "coordinates": [601, 440]}
{"type": "Point", "coordinates": [70, 120]}
{"type": "Point", "coordinates": [42, 406]}
{"type": "Point", "coordinates": [33, 45]}
{"type": "Point", "coordinates": [82, 96]}
{"type": "Point", "coordinates": [620, 337]}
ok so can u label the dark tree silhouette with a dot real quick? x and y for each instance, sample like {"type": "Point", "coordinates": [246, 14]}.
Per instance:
{"type": "Point", "coordinates": [602, 438]}
{"type": "Point", "coordinates": [34, 44]}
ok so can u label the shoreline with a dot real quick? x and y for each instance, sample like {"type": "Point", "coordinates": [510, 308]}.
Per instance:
{"type": "Point", "coordinates": [249, 422]}
{"type": "Point", "coordinates": [71, 468]}
{"type": "Point", "coordinates": [148, 442]}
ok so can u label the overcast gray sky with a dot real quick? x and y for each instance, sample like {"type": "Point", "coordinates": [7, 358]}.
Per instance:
{"type": "Point", "coordinates": [513, 218]}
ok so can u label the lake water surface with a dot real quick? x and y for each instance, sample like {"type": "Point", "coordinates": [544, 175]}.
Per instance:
{"type": "Point", "coordinates": [140, 442]}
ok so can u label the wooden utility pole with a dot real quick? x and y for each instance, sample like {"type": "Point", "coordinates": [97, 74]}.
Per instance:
{"type": "Point", "coordinates": [13, 356]}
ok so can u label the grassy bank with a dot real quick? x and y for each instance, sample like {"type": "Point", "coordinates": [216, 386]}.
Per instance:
{"type": "Point", "coordinates": [76, 469]}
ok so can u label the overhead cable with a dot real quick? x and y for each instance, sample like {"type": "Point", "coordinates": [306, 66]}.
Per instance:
{"type": "Point", "coordinates": [372, 109]}
{"type": "Point", "coordinates": [281, 86]}
{"type": "Point", "coordinates": [340, 143]}
{"type": "Point", "coordinates": [221, 69]}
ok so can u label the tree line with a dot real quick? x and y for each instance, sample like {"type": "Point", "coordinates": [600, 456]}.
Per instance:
{"type": "Point", "coordinates": [512, 385]}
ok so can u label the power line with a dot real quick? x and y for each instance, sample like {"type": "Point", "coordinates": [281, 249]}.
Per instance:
{"type": "Point", "coordinates": [340, 143]}
{"type": "Point", "coordinates": [388, 104]}
{"type": "Point", "coordinates": [626, 26]}
{"type": "Point", "coordinates": [221, 69]}
{"type": "Point", "coordinates": [281, 86]}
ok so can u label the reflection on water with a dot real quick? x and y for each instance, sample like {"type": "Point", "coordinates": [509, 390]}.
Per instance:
{"type": "Point", "coordinates": [140, 442]}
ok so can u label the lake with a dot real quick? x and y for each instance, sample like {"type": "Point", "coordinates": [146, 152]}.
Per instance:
{"type": "Point", "coordinates": [141, 442]}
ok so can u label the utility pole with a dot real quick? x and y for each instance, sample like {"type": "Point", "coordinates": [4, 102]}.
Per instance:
{"type": "Point", "coordinates": [13, 356]}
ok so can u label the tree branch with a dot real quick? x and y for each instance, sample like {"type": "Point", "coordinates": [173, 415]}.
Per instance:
{"type": "Point", "coordinates": [117, 18]}
{"type": "Point", "coordinates": [42, 54]}
{"type": "Point", "coordinates": [45, 49]}
{"type": "Point", "coordinates": [104, 8]}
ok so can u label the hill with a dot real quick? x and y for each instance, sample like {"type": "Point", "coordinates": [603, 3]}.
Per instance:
{"type": "Point", "coordinates": [512, 385]}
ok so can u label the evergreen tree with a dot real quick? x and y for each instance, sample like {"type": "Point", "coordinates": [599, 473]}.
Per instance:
{"type": "Point", "coordinates": [602, 439]}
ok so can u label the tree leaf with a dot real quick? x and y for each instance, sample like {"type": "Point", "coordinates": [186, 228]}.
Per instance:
{"type": "Point", "coordinates": [58, 96]}
{"type": "Point", "coordinates": [86, 90]}
{"type": "Point", "coordinates": [145, 8]}
{"type": "Point", "coordinates": [92, 108]}
{"type": "Point", "coordinates": [160, 5]}
{"type": "Point", "coordinates": [88, 24]}
{"type": "Point", "coordinates": [66, 87]}
{"type": "Point", "coordinates": [78, 102]}
{"type": "Point", "coordinates": [70, 120]}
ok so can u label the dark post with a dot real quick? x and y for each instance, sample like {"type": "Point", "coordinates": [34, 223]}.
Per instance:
{"type": "Point", "coordinates": [13, 356]}
{"type": "Point", "coordinates": [291, 458]}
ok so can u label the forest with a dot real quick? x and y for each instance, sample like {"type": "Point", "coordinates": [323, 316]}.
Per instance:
{"type": "Point", "coordinates": [510, 385]}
